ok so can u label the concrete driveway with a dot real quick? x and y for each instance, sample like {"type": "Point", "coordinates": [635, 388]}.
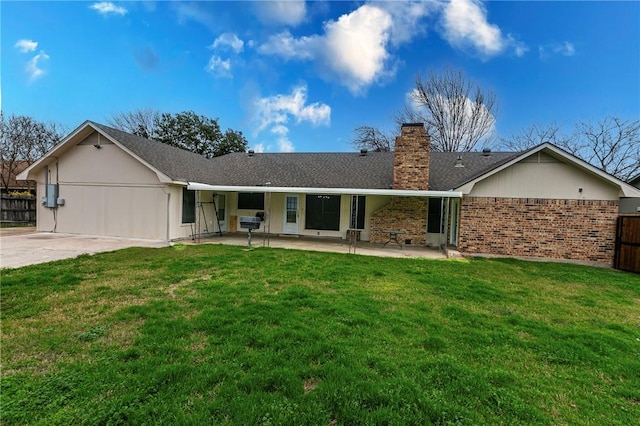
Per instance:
{"type": "Point", "coordinates": [24, 246]}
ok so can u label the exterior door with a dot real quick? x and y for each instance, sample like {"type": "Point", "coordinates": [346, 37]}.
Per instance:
{"type": "Point", "coordinates": [291, 214]}
{"type": "Point", "coordinates": [455, 221]}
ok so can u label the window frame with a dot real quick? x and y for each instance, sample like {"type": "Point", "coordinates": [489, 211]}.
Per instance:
{"type": "Point", "coordinates": [249, 201]}
{"type": "Point", "coordinates": [329, 217]}
{"type": "Point", "coordinates": [187, 197]}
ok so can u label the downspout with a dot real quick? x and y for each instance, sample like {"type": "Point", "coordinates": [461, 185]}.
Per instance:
{"type": "Point", "coordinates": [168, 221]}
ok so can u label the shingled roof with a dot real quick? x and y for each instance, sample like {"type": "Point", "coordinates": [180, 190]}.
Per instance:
{"type": "Point", "coordinates": [176, 163]}
{"type": "Point", "coordinates": [302, 170]}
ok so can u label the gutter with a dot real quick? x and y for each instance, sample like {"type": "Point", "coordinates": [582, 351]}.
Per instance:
{"type": "Point", "coordinates": [332, 191]}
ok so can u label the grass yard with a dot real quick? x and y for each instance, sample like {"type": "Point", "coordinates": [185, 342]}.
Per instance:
{"type": "Point", "coordinates": [219, 335]}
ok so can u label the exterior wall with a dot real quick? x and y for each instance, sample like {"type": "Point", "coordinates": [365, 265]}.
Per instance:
{"type": "Point", "coordinates": [106, 192]}
{"type": "Point", "coordinates": [560, 229]}
{"type": "Point", "coordinates": [408, 214]}
{"type": "Point", "coordinates": [411, 158]}
{"type": "Point", "coordinates": [373, 203]}
{"type": "Point", "coordinates": [543, 176]}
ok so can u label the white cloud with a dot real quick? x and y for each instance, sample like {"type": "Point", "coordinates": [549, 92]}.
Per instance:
{"type": "Point", "coordinates": [259, 147]}
{"type": "Point", "coordinates": [106, 8]}
{"type": "Point", "coordinates": [33, 68]}
{"type": "Point", "coordinates": [564, 49]}
{"type": "Point", "coordinates": [356, 46]}
{"type": "Point", "coordinates": [285, 145]}
{"type": "Point", "coordinates": [219, 67]}
{"type": "Point", "coordinates": [465, 24]}
{"type": "Point", "coordinates": [283, 12]}
{"type": "Point", "coordinates": [26, 46]}
{"type": "Point", "coordinates": [288, 47]}
{"type": "Point", "coordinates": [275, 112]}
{"type": "Point", "coordinates": [407, 18]}
{"type": "Point", "coordinates": [228, 40]}
{"type": "Point", "coordinates": [352, 49]}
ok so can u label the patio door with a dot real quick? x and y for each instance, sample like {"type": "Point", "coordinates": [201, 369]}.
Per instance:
{"type": "Point", "coordinates": [291, 214]}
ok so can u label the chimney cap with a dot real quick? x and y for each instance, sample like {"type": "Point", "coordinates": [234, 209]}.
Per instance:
{"type": "Point", "coordinates": [412, 124]}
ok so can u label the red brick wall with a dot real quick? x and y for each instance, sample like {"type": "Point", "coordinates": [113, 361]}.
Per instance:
{"type": "Point", "coordinates": [560, 229]}
{"type": "Point", "coordinates": [408, 214]}
{"type": "Point", "coordinates": [411, 158]}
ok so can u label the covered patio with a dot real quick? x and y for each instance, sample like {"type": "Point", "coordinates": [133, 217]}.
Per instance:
{"type": "Point", "coordinates": [334, 245]}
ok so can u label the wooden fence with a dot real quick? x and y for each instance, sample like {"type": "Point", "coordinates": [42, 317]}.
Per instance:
{"type": "Point", "coordinates": [17, 209]}
{"type": "Point", "coordinates": [627, 252]}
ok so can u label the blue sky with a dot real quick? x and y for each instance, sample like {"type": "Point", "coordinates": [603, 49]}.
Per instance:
{"type": "Point", "coordinates": [300, 76]}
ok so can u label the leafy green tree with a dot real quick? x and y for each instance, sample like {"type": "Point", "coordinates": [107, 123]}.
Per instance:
{"type": "Point", "coordinates": [186, 130]}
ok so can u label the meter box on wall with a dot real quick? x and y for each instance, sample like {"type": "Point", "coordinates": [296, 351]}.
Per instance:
{"type": "Point", "coordinates": [51, 196]}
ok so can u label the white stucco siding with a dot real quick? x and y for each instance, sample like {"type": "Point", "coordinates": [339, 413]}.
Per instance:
{"type": "Point", "coordinates": [542, 176]}
{"type": "Point", "coordinates": [85, 163]}
{"type": "Point", "coordinates": [109, 210]}
{"type": "Point", "coordinates": [105, 191]}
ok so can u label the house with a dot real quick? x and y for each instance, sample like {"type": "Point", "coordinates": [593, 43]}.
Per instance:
{"type": "Point", "coordinates": [9, 170]}
{"type": "Point", "coordinates": [542, 202]}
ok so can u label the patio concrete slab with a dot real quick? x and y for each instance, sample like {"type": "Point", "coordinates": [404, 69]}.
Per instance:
{"type": "Point", "coordinates": [22, 248]}
{"type": "Point", "coordinates": [324, 244]}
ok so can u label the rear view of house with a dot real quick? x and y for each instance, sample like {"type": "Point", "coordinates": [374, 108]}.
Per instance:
{"type": "Point", "coordinates": [542, 202]}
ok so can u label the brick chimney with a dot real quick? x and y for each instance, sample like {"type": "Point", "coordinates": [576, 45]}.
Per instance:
{"type": "Point", "coordinates": [411, 158]}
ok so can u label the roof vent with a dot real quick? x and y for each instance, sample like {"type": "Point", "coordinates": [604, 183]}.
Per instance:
{"type": "Point", "coordinates": [486, 152]}
{"type": "Point", "coordinates": [251, 152]}
{"type": "Point", "coordinates": [363, 152]}
{"type": "Point", "coordinates": [459, 161]}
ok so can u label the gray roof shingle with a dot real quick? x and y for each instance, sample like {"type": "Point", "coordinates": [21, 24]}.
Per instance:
{"type": "Point", "coordinates": [178, 164]}
{"type": "Point", "coordinates": [303, 170]}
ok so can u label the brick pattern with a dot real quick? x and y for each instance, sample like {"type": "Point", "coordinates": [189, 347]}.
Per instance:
{"type": "Point", "coordinates": [408, 214]}
{"type": "Point", "coordinates": [561, 229]}
{"type": "Point", "coordinates": [411, 158]}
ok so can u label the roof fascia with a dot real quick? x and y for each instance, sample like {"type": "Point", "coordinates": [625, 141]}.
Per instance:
{"type": "Point", "coordinates": [36, 166]}
{"type": "Point", "coordinates": [332, 191]}
{"type": "Point", "coordinates": [161, 176]}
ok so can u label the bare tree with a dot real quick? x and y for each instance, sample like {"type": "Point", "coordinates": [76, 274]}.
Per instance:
{"type": "Point", "coordinates": [23, 140]}
{"type": "Point", "coordinates": [611, 144]}
{"type": "Point", "coordinates": [534, 135]}
{"type": "Point", "coordinates": [457, 113]}
{"type": "Point", "coordinates": [372, 138]}
{"type": "Point", "coordinates": [142, 122]}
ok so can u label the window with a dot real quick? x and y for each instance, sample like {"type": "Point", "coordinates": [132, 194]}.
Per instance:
{"type": "Point", "coordinates": [358, 207]}
{"type": "Point", "coordinates": [323, 212]}
{"type": "Point", "coordinates": [221, 206]}
{"type": "Point", "coordinates": [434, 218]}
{"type": "Point", "coordinates": [251, 200]}
{"type": "Point", "coordinates": [188, 206]}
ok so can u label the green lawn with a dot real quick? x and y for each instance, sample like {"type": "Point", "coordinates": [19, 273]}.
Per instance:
{"type": "Point", "coordinates": [220, 335]}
